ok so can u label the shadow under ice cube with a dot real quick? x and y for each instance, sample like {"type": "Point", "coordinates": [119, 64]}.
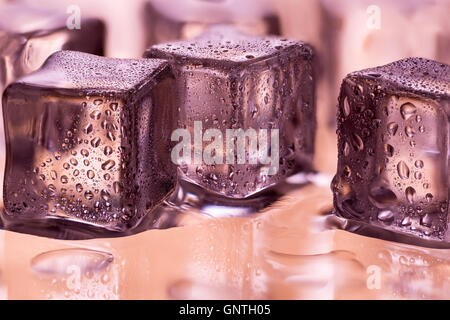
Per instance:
{"type": "Point", "coordinates": [226, 81]}
{"type": "Point", "coordinates": [88, 140]}
{"type": "Point", "coordinates": [393, 140]}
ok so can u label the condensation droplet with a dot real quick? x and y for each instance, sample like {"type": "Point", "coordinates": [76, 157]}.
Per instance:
{"type": "Point", "coordinates": [108, 164]}
{"type": "Point", "coordinates": [105, 195]}
{"type": "Point", "coordinates": [114, 106]}
{"type": "Point", "coordinates": [88, 195]}
{"type": "Point", "coordinates": [409, 131]}
{"type": "Point", "coordinates": [95, 142]}
{"type": "Point", "coordinates": [88, 128]}
{"type": "Point", "coordinates": [392, 128]}
{"type": "Point", "coordinates": [385, 216]}
{"type": "Point", "coordinates": [346, 107]}
{"type": "Point", "coordinates": [90, 174]}
{"type": "Point", "coordinates": [403, 170]}
{"type": "Point", "coordinates": [388, 150]}
{"type": "Point", "coordinates": [347, 171]}
{"type": "Point", "coordinates": [406, 221]}
{"type": "Point", "coordinates": [410, 193]}
{"type": "Point", "coordinates": [95, 115]}
{"type": "Point", "coordinates": [426, 220]}
{"type": "Point", "coordinates": [357, 142]}
{"type": "Point", "coordinates": [107, 151]}
{"type": "Point", "coordinates": [346, 149]}
{"type": "Point", "coordinates": [408, 110]}
{"type": "Point", "coordinates": [419, 164]}
{"type": "Point", "coordinates": [53, 175]}
{"type": "Point", "coordinates": [117, 186]}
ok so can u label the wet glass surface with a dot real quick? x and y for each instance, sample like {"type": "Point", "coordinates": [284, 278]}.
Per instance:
{"type": "Point", "coordinates": [288, 251]}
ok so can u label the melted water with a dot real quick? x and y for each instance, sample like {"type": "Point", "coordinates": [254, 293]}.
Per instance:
{"type": "Point", "coordinates": [288, 251]}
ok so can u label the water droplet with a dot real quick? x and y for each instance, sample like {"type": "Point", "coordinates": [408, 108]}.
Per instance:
{"type": "Point", "coordinates": [426, 220]}
{"type": "Point", "coordinates": [409, 131]}
{"type": "Point", "coordinates": [53, 175]}
{"type": "Point", "coordinates": [105, 195]}
{"type": "Point", "coordinates": [107, 151]}
{"type": "Point", "coordinates": [385, 215]}
{"type": "Point", "coordinates": [88, 128]}
{"type": "Point", "coordinates": [388, 150]}
{"type": "Point", "coordinates": [410, 193]}
{"type": "Point", "coordinates": [90, 174]}
{"type": "Point", "coordinates": [408, 110]}
{"type": "Point", "coordinates": [95, 115]}
{"type": "Point", "coordinates": [64, 179]}
{"type": "Point", "coordinates": [406, 221]}
{"type": "Point", "coordinates": [346, 149]}
{"type": "Point", "coordinates": [117, 186]}
{"type": "Point", "coordinates": [347, 171]}
{"type": "Point", "coordinates": [419, 164]}
{"type": "Point", "coordinates": [88, 195]}
{"type": "Point", "coordinates": [57, 262]}
{"type": "Point", "coordinates": [79, 187]}
{"type": "Point", "coordinates": [84, 152]}
{"type": "Point", "coordinates": [346, 107]}
{"type": "Point", "coordinates": [95, 142]}
{"type": "Point", "coordinates": [392, 128]}
{"type": "Point", "coordinates": [357, 142]}
{"type": "Point", "coordinates": [108, 164]}
{"type": "Point", "coordinates": [403, 170]}
{"type": "Point", "coordinates": [114, 106]}
{"type": "Point", "coordinates": [111, 136]}
{"type": "Point", "coordinates": [98, 102]}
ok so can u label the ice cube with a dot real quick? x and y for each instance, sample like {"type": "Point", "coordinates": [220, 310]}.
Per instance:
{"type": "Point", "coordinates": [229, 81]}
{"type": "Point", "coordinates": [176, 20]}
{"type": "Point", "coordinates": [88, 139]}
{"type": "Point", "coordinates": [393, 139]}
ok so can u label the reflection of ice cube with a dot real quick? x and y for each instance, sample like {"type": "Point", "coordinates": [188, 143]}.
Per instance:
{"type": "Point", "coordinates": [228, 80]}
{"type": "Point", "coordinates": [390, 118]}
{"type": "Point", "coordinates": [88, 139]}
{"type": "Point", "coordinates": [174, 20]}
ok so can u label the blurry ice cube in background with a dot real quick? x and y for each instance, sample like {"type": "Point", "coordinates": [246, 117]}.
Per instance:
{"type": "Point", "coordinates": [185, 19]}
{"type": "Point", "coordinates": [346, 39]}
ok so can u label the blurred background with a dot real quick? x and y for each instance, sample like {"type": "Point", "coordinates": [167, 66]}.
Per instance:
{"type": "Point", "coordinates": [289, 251]}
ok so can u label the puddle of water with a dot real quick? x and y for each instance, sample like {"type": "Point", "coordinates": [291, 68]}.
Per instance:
{"type": "Point", "coordinates": [285, 252]}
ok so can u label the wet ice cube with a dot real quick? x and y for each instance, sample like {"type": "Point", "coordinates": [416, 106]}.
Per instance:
{"type": "Point", "coordinates": [393, 147]}
{"type": "Point", "coordinates": [262, 85]}
{"type": "Point", "coordinates": [176, 20]}
{"type": "Point", "coordinates": [88, 139]}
